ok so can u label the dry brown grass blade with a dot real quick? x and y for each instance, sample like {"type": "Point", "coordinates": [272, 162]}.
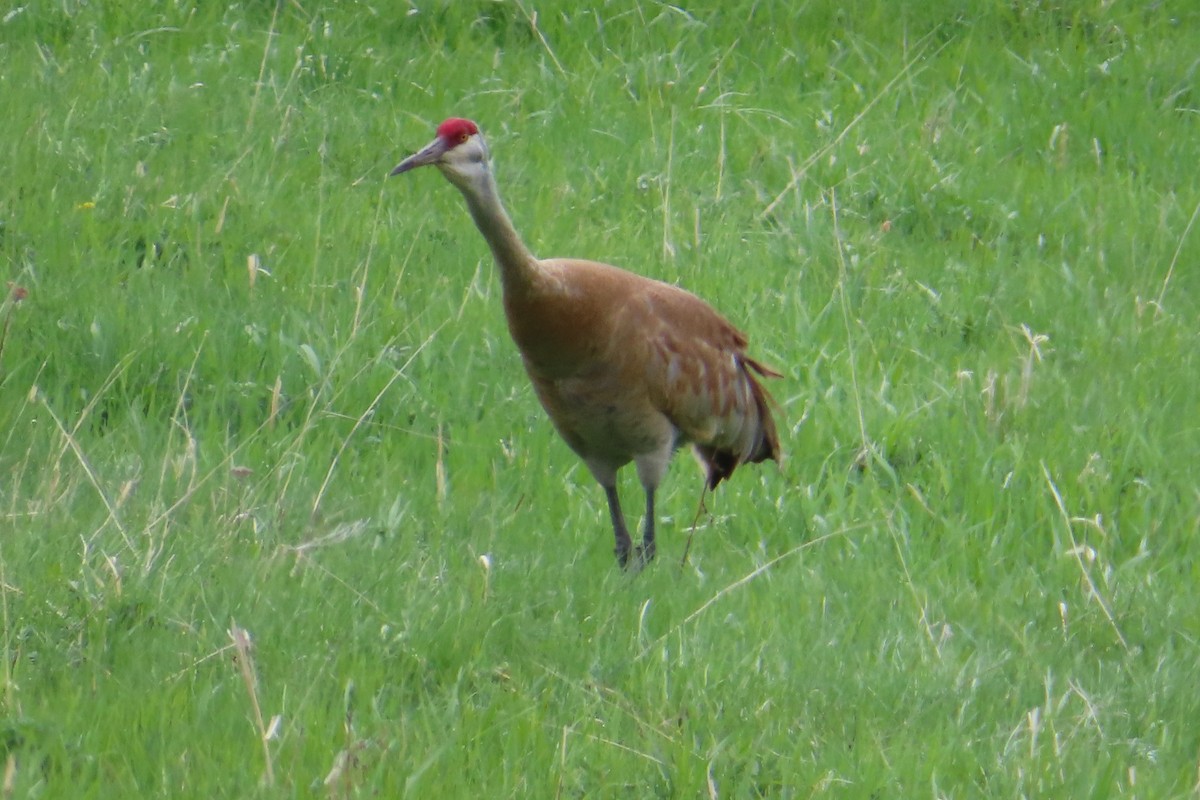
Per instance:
{"type": "Point", "coordinates": [700, 509]}
{"type": "Point", "coordinates": [532, 18]}
{"type": "Point", "coordinates": [1078, 555]}
{"type": "Point", "coordinates": [1175, 258]}
{"type": "Point", "coordinates": [10, 775]}
{"type": "Point", "coordinates": [72, 443]}
{"type": "Point", "coordinates": [241, 643]}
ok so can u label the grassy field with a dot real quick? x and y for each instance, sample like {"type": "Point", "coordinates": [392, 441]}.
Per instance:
{"type": "Point", "coordinates": [281, 517]}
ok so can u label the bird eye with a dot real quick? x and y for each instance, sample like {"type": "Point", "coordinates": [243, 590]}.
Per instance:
{"type": "Point", "coordinates": [462, 137]}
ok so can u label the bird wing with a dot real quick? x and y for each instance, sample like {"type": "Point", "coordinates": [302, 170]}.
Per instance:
{"type": "Point", "coordinates": [698, 375]}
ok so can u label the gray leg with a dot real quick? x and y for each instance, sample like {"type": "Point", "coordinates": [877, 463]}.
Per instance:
{"type": "Point", "coordinates": [651, 467]}
{"type": "Point", "coordinates": [646, 551]}
{"type": "Point", "coordinates": [624, 545]}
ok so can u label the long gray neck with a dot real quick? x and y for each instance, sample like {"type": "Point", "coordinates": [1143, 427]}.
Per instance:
{"type": "Point", "coordinates": [518, 267]}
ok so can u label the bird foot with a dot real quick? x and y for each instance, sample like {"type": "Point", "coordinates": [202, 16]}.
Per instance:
{"type": "Point", "coordinates": [642, 555]}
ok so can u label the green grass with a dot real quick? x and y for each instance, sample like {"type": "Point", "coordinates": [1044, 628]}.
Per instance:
{"type": "Point", "coordinates": [964, 230]}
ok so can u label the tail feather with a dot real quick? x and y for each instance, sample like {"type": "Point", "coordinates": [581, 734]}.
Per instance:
{"type": "Point", "coordinates": [720, 463]}
{"type": "Point", "coordinates": [767, 446]}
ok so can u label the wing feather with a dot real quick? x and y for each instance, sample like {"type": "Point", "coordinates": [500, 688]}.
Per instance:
{"type": "Point", "coordinates": [700, 377]}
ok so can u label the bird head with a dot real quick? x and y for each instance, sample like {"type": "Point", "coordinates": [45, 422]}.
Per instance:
{"type": "Point", "coordinates": [458, 151]}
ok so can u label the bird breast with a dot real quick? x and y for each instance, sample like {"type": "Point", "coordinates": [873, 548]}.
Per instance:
{"type": "Point", "coordinates": [567, 320]}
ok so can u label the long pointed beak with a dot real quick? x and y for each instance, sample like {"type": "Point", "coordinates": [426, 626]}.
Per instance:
{"type": "Point", "coordinates": [430, 155]}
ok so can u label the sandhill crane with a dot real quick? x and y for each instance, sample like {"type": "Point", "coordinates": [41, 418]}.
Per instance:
{"type": "Point", "coordinates": [628, 368]}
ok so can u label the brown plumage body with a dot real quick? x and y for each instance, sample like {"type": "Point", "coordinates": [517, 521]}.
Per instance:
{"type": "Point", "coordinates": [628, 368]}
